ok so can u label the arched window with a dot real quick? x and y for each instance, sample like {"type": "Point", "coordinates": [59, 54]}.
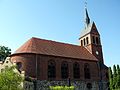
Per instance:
{"type": "Point", "coordinates": [93, 39]}
{"type": "Point", "coordinates": [81, 42]}
{"type": "Point", "coordinates": [84, 41]}
{"type": "Point", "coordinates": [64, 70]}
{"type": "Point", "coordinates": [87, 71]}
{"type": "Point", "coordinates": [51, 69]}
{"type": "Point", "coordinates": [87, 40]}
{"type": "Point", "coordinates": [19, 65]}
{"type": "Point", "coordinates": [97, 40]}
{"type": "Point", "coordinates": [76, 70]}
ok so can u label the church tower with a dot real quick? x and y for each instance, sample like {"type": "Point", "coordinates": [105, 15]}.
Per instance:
{"type": "Point", "coordinates": [90, 38]}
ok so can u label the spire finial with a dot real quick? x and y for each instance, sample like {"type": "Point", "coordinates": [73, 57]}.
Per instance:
{"type": "Point", "coordinates": [85, 3]}
{"type": "Point", "coordinates": [87, 19]}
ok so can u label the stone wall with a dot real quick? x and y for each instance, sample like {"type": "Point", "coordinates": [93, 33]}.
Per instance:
{"type": "Point", "coordinates": [28, 85]}
{"type": "Point", "coordinates": [79, 85]}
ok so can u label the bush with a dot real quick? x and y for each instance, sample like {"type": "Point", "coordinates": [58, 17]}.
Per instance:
{"type": "Point", "coordinates": [62, 88]}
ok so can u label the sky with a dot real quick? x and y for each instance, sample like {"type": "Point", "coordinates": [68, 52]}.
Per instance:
{"type": "Point", "coordinates": [62, 21]}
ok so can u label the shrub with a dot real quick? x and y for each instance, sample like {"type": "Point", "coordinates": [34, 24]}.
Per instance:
{"type": "Point", "coordinates": [62, 88]}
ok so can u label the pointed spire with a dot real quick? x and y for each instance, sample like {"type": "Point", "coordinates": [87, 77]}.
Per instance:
{"type": "Point", "coordinates": [87, 19]}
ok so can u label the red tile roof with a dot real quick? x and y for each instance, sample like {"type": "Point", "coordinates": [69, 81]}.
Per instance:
{"type": "Point", "coordinates": [48, 47]}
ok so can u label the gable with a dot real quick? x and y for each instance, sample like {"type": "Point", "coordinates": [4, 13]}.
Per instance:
{"type": "Point", "coordinates": [94, 29]}
{"type": "Point", "coordinates": [91, 28]}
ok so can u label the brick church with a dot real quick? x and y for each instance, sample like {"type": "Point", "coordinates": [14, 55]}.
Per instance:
{"type": "Point", "coordinates": [54, 63]}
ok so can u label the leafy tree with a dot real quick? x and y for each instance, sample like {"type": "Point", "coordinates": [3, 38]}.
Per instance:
{"type": "Point", "coordinates": [110, 78]}
{"type": "Point", "coordinates": [118, 70]}
{"type": "Point", "coordinates": [4, 52]}
{"type": "Point", "coordinates": [10, 80]}
{"type": "Point", "coordinates": [118, 77]}
{"type": "Point", "coordinates": [114, 70]}
{"type": "Point", "coordinates": [114, 78]}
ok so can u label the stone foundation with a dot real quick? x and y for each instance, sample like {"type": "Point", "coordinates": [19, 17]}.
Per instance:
{"type": "Point", "coordinates": [79, 85]}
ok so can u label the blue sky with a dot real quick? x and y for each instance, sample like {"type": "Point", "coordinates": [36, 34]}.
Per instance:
{"type": "Point", "coordinates": [60, 20]}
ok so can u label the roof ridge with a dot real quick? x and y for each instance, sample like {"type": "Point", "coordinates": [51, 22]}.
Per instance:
{"type": "Point", "coordinates": [55, 41]}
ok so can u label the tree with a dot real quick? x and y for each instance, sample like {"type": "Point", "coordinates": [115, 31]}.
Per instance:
{"type": "Point", "coordinates": [110, 78]}
{"type": "Point", "coordinates": [114, 78]}
{"type": "Point", "coordinates": [114, 70]}
{"type": "Point", "coordinates": [118, 70]}
{"type": "Point", "coordinates": [118, 77]}
{"type": "Point", "coordinates": [10, 80]}
{"type": "Point", "coordinates": [4, 52]}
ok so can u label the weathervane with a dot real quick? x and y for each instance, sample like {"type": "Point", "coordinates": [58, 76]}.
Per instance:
{"type": "Point", "coordinates": [85, 3]}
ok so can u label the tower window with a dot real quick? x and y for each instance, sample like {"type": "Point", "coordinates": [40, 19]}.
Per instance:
{"type": "Point", "coordinates": [87, 40]}
{"type": "Point", "coordinates": [51, 69]}
{"type": "Point", "coordinates": [97, 40]}
{"type": "Point", "coordinates": [76, 70]}
{"type": "Point", "coordinates": [81, 42]}
{"type": "Point", "coordinates": [64, 70]}
{"type": "Point", "coordinates": [84, 42]}
{"type": "Point", "coordinates": [93, 39]}
{"type": "Point", "coordinates": [86, 71]}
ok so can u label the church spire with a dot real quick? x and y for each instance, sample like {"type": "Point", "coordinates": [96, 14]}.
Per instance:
{"type": "Point", "coordinates": [87, 19]}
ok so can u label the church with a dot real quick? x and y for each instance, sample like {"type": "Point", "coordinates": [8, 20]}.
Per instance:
{"type": "Point", "coordinates": [53, 63]}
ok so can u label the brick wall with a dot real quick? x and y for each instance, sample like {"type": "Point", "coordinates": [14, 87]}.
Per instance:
{"type": "Point", "coordinates": [29, 66]}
